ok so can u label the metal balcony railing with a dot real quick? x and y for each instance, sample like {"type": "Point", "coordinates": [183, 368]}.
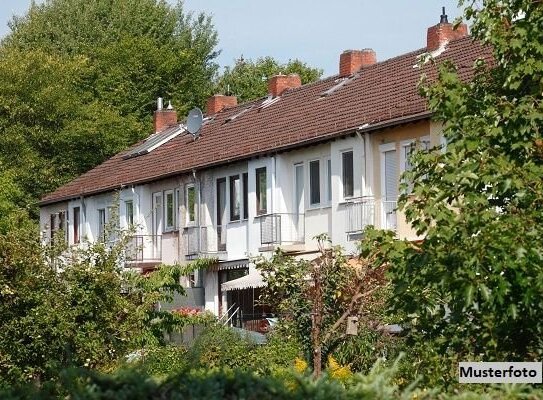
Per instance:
{"type": "Point", "coordinates": [389, 215]}
{"type": "Point", "coordinates": [204, 240]}
{"type": "Point", "coordinates": [281, 229]}
{"type": "Point", "coordinates": [359, 213]}
{"type": "Point", "coordinates": [144, 248]}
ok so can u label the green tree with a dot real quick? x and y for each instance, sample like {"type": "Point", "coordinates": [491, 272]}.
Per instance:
{"type": "Point", "coordinates": [315, 299]}
{"type": "Point", "coordinates": [475, 284]}
{"type": "Point", "coordinates": [248, 79]}
{"type": "Point", "coordinates": [79, 79]}
{"type": "Point", "coordinates": [77, 307]}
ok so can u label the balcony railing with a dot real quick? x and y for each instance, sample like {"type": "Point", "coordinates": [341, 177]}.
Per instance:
{"type": "Point", "coordinates": [144, 248]}
{"type": "Point", "coordinates": [204, 240]}
{"type": "Point", "coordinates": [359, 213]}
{"type": "Point", "coordinates": [282, 229]}
{"type": "Point", "coordinates": [389, 215]}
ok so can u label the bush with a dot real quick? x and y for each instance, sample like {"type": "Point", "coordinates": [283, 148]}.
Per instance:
{"type": "Point", "coordinates": [378, 384]}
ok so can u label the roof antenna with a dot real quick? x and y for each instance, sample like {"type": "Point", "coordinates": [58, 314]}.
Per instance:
{"type": "Point", "coordinates": [444, 19]}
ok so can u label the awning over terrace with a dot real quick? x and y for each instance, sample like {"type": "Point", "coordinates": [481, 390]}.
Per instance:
{"type": "Point", "coordinates": [253, 280]}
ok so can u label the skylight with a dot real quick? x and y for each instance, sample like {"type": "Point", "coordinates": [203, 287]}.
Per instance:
{"type": "Point", "coordinates": [342, 82]}
{"type": "Point", "coordinates": [154, 141]}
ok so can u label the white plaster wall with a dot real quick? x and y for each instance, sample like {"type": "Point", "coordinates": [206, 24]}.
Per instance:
{"type": "Point", "coordinates": [339, 226]}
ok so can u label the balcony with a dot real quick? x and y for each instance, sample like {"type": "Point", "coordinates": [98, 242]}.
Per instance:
{"type": "Point", "coordinates": [282, 229]}
{"type": "Point", "coordinates": [143, 249]}
{"type": "Point", "coordinates": [362, 211]}
{"type": "Point", "coordinates": [202, 241]}
{"type": "Point", "coordinates": [359, 213]}
{"type": "Point", "coordinates": [388, 214]}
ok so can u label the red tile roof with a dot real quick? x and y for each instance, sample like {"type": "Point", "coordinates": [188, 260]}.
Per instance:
{"type": "Point", "coordinates": [382, 94]}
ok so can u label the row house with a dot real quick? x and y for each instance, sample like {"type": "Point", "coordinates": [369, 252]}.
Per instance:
{"type": "Point", "coordinates": [324, 157]}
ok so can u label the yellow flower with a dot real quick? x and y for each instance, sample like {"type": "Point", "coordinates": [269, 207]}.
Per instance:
{"type": "Point", "coordinates": [300, 365]}
{"type": "Point", "coordinates": [338, 371]}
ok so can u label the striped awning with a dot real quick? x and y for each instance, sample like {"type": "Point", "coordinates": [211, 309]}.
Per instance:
{"type": "Point", "coordinates": [253, 280]}
{"type": "Point", "coordinates": [233, 264]}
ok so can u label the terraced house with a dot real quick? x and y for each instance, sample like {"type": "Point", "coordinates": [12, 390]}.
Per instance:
{"type": "Point", "coordinates": [319, 158]}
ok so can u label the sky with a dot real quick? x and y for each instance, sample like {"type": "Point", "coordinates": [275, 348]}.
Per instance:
{"type": "Point", "coordinates": [313, 31]}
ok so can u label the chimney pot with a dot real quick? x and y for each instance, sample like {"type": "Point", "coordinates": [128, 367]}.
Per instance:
{"type": "Point", "coordinates": [164, 118]}
{"type": "Point", "coordinates": [442, 33]}
{"type": "Point", "coordinates": [350, 61]}
{"type": "Point", "coordinates": [218, 102]}
{"type": "Point", "coordinates": [279, 83]}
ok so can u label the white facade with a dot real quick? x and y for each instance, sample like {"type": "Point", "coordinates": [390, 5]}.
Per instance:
{"type": "Point", "coordinates": [337, 187]}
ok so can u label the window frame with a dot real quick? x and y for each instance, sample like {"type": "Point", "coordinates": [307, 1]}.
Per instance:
{"type": "Point", "coordinates": [169, 227]}
{"type": "Point", "coordinates": [233, 217]}
{"type": "Point", "coordinates": [343, 176]}
{"type": "Point", "coordinates": [188, 220]}
{"type": "Point", "coordinates": [259, 190]}
{"type": "Point", "coordinates": [314, 185]}
{"type": "Point", "coordinates": [245, 194]}
{"type": "Point", "coordinates": [102, 221]}
{"type": "Point", "coordinates": [76, 225]}
{"type": "Point", "coordinates": [129, 217]}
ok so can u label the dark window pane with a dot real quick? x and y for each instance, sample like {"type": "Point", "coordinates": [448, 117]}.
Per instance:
{"type": "Point", "coordinates": [245, 195]}
{"type": "Point", "coordinates": [77, 217]}
{"type": "Point", "coordinates": [235, 198]}
{"type": "Point", "coordinates": [261, 184]}
{"type": "Point", "coordinates": [314, 182]}
{"type": "Point", "coordinates": [347, 174]}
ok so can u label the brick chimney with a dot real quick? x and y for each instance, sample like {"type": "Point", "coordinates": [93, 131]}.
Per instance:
{"type": "Point", "coordinates": [444, 32]}
{"type": "Point", "coordinates": [350, 61]}
{"type": "Point", "coordinates": [218, 102]}
{"type": "Point", "coordinates": [164, 118]}
{"type": "Point", "coordinates": [279, 83]}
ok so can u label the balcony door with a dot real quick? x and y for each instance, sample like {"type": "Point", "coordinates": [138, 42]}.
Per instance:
{"type": "Point", "coordinates": [221, 214]}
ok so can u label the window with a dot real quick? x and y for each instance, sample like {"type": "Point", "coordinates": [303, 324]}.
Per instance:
{"type": "Point", "coordinates": [329, 180]}
{"type": "Point", "coordinates": [261, 185]}
{"type": "Point", "coordinates": [101, 224]}
{"type": "Point", "coordinates": [157, 213]}
{"type": "Point", "coordinates": [77, 222]}
{"type": "Point", "coordinates": [347, 179]}
{"type": "Point", "coordinates": [391, 176]}
{"type": "Point", "coordinates": [129, 213]}
{"type": "Point", "coordinates": [190, 203]}
{"type": "Point", "coordinates": [314, 182]}
{"type": "Point", "coordinates": [169, 210]}
{"type": "Point", "coordinates": [58, 223]}
{"type": "Point", "coordinates": [195, 279]}
{"type": "Point", "coordinates": [177, 205]}
{"type": "Point", "coordinates": [53, 227]}
{"type": "Point", "coordinates": [245, 177]}
{"type": "Point", "coordinates": [235, 198]}
{"type": "Point", "coordinates": [221, 214]}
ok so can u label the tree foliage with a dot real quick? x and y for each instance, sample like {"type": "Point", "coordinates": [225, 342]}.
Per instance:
{"type": "Point", "coordinates": [315, 299]}
{"type": "Point", "coordinates": [248, 79]}
{"type": "Point", "coordinates": [475, 284]}
{"type": "Point", "coordinates": [78, 81]}
{"type": "Point", "coordinates": [62, 307]}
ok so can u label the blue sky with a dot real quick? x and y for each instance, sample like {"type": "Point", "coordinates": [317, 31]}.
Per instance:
{"type": "Point", "coordinates": [314, 31]}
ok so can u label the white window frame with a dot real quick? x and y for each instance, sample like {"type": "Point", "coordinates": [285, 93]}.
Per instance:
{"type": "Point", "coordinates": [169, 227]}
{"type": "Point", "coordinates": [229, 196]}
{"type": "Point", "coordinates": [101, 229]}
{"type": "Point", "coordinates": [188, 222]}
{"type": "Point", "coordinates": [157, 228]}
{"type": "Point", "coordinates": [311, 204]}
{"type": "Point", "coordinates": [351, 150]}
{"type": "Point", "coordinates": [128, 224]}
{"type": "Point", "coordinates": [328, 180]}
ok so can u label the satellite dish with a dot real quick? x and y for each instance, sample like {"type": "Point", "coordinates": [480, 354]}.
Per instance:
{"type": "Point", "coordinates": [194, 121]}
